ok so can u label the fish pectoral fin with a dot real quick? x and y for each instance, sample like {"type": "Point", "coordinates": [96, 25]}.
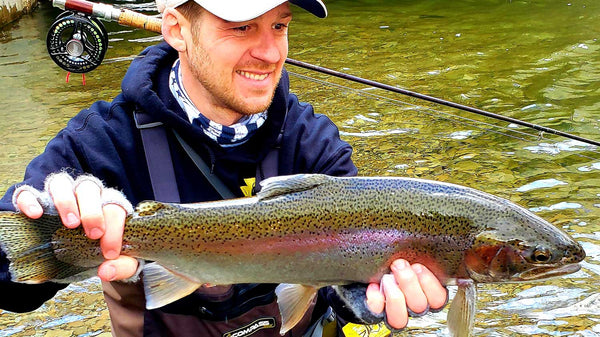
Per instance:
{"type": "Point", "coordinates": [462, 310]}
{"type": "Point", "coordinates": [161, 286]}
{"type": "Point", "coordinates": [293, 300]}
{"type": "Point", "coordinates": [275, 186]}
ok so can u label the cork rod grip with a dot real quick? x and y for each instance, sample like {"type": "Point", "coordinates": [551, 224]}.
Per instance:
{"type": "Point", "coordinates": [138, 20]}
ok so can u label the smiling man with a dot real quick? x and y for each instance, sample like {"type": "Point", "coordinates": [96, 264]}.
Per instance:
{"type": "Point", "coordinates": [229, 69]}
{"type": "Point", "coordinates": [202, 116]}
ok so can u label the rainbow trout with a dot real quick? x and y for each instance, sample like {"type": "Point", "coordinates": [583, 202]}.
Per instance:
{"type": "Point", "coordinates": [309, 231]}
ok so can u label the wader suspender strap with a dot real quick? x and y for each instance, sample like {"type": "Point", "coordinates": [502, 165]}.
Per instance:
{"type": "Point", "coordinates": [223, 191]}
{"type": "Point", "coordinates": [158, 158]}
{"type": "Point", "coordinates": [269, 166]}
{"type": "Point", "coordinates": [160, 165]}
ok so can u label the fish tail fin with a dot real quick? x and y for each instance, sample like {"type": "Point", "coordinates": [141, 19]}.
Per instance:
{"type": "Point", "coordinates": [28, 245]}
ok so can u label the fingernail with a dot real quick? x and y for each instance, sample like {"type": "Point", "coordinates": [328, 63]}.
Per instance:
{"type": "Point", "coordinates": [34, 209]}
{"type": "Point", "coordinates": [384, 279]}
{"type": "Point", "coordinates": [399, 265]}
{"type": "Point", "coordinates": [72, 220]}
{"type": "Point", "coordinates": [96, 233]}
{"type": "Point", "coordinates": [111, 254]}
{"type": "Point", "coordinates": [417, 268]}
{"type": "Point", "coordinates": [107, 273]}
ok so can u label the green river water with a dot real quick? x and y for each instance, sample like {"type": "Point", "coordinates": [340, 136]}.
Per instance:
{"type": "Point", "coordinates": [537, 61]}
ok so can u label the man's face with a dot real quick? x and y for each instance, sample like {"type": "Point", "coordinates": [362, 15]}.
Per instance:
{"type": "Point", "coordinates": [236, 66]}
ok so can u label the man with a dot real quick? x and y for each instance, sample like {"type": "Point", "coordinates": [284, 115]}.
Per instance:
{"type": "Point", "coordinates": [217, 84]}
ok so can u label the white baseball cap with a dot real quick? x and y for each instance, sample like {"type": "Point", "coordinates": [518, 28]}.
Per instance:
{"type": "Point", "coordinates": [244, 10]}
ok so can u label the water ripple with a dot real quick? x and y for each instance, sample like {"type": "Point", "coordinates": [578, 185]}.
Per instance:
{"type": "Point", "coordinates": [560, 206]}
{"type": "Point", "coordinates": [544, 183]}
{"type": "Point", "coordinates": [556, 148]}
{"type": "Point", "coordinates": [587, 306]}
{"type": "Point", "coordinates": [63, 320]}
{"type": "Point", "coordinates": [378, 133]}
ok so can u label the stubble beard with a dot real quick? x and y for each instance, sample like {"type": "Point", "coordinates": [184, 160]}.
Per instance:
{"type": "Point", "coordinates": [216, 86]}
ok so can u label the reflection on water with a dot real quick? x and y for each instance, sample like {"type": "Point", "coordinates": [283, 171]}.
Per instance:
{"type": "Point", "coordinates": [533, 60]}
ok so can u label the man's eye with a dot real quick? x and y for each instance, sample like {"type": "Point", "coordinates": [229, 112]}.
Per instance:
{"type": "Point", "coordinates": [242, 29]}
{"type": "Point", "coordinates": [280, 26]}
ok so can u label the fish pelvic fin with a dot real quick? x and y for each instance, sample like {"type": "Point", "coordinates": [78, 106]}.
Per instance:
{"type": "Point", "coordinates": [293, 300]}
{"type": "Point", "coordinates": [28, 245]}
{"type": "Point", "coordinates": [162, 286]}
{"type": "Point", "coordinates": [276, 186]}
{"type": "Point", "coordinates": [461, 314]}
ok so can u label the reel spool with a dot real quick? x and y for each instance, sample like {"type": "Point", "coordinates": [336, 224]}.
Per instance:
{"type": "Point", "coordinates": [77, 42]}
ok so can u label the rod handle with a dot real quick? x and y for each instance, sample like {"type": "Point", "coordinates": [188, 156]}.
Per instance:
{"type": "Point", "coordinates": [139, 20]}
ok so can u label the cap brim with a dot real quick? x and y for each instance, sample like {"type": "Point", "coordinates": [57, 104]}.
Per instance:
{"type": "Point", "coordinates": [316, 7]}
{"type": "Point", "coordinates": [244, 10]}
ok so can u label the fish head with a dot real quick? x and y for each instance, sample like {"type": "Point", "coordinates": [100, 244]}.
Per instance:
{"type": "Point", "coordinates": [520, 246]}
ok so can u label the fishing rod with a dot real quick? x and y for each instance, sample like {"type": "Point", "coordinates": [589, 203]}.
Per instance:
{"type": "Point", "coordinates": [77, 42]}
{"type": "Point", "coordinates": [440, 101]}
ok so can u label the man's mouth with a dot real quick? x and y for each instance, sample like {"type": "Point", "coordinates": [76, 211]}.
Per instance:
{"type": "Point", "coordinates": [253, 76]}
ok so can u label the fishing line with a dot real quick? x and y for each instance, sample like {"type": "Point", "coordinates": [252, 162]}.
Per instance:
{"type": "Point", "coordinates": [434, 113]}
{"type": "Point", "coordinates": [436, 100]}
{"type": "Point", "coordinates": [422, 109]}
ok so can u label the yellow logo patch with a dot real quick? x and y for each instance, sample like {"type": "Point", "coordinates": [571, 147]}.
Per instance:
{"type": "Point", "coordinates": [358, 330]}
{"type": "Point", "coordinates": [247, 189]}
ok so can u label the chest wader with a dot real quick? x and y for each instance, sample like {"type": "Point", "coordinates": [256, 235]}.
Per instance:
{"type": "Point", "coordinates": [221, 311]}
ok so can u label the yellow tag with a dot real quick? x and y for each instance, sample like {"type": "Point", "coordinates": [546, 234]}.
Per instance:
{"type": "Point", "coordinates": [358, 330]}
{"type": "Point", "coordinates": [247, 190]}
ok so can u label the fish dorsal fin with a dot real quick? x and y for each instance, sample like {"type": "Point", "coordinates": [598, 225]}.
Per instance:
{"type": "Point", "coordinates": [275, 186]}
{"type": "Point", "coordinates": [293, 300]}
{"type": "Point", "coordinates": [146, 208]}
{"type": "Point", "coordinates": [162, 286]}
{"type": "Point", "coordinates": [462, 310]}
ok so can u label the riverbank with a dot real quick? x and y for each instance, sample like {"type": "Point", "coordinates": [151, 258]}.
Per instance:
{"type": "Point", "coordinates": [11, 10]}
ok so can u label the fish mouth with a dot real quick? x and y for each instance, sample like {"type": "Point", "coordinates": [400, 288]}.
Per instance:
{"type": "Point", "coordinates": [547, 271]}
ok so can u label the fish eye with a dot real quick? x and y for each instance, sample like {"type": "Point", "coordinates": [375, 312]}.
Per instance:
{"type": "Point", "coordinates": [541, 255]}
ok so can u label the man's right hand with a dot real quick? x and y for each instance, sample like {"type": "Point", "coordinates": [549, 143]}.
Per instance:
{"type": "Point", "coordinates": [81, 203]}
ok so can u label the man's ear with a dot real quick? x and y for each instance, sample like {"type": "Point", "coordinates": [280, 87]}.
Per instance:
{"type": "Point", "coordinates": [172, 22]}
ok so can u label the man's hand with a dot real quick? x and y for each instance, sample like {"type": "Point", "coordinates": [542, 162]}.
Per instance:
{"type": "Point", "coordinates": [81, 203]}
{"type": "Point", "coordinates": [413, 288]}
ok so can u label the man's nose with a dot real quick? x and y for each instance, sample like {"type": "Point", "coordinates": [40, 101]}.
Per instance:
{"type": "Point", "coordinates": [267, 47]}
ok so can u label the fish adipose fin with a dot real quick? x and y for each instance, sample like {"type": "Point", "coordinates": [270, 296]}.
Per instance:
{"type": "Point", "coordinates": [162, 286]}
{"type": "Point", "coordinates": [293, 300]}
{"type": "Point", "coordinates": [276, 186]}
{"type": "Point", "coordinates": [461, 314]}
{"type": "Point", "coordinates": [28, 246]}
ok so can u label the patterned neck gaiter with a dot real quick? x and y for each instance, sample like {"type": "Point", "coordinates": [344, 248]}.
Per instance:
{"type": "Point", "coordinates": [225, 136]}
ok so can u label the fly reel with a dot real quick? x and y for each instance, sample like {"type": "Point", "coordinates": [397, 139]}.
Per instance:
{"type": "Point", "coordinates": [77, 42]}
